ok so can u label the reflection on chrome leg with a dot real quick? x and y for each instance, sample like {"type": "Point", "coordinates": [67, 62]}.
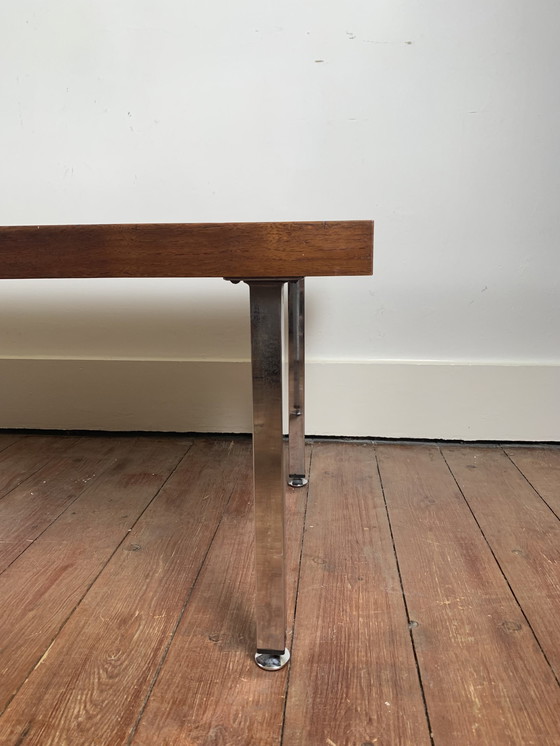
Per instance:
{"type": "Point", "coordinates": [269, 475]}
{"type": "Point", "coordinates": [296, 387]}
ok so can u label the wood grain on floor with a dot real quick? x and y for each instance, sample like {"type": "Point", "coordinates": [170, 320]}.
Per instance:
{"type": "Point", "coordinates": [423, 595]}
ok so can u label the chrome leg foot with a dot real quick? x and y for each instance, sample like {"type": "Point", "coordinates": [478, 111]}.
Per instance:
{"type": "Point", "coordinates": [272, 661]}
{"type": "Point", "coordinates": [297, 480]}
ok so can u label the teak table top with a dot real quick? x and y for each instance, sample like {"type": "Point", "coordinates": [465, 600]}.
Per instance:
{"type": "Point", "coordinates": [237, 250]}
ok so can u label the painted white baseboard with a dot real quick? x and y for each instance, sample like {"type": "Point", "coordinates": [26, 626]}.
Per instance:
{"type": "Point", "coordinates": [374, 399]}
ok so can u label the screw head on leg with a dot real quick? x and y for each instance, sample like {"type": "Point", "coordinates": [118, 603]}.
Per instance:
{"type": "Point", "coordinates": [272, 661]}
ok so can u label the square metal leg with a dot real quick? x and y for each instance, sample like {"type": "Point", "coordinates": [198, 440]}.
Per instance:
{"type": "Point", "coordinates": [296, 388]}
{"type": "Point", "coordinates": [269, 472]}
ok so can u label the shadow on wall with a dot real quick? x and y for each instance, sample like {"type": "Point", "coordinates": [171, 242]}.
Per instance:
{"type": "Point", "coordinates": [126, 395]}
{"type": "Point", "coordinates": [126, 319]}
{"type": "Point", "coordinates": [171, 319]}
{"type": "Point", "coordinates": [125, 355]}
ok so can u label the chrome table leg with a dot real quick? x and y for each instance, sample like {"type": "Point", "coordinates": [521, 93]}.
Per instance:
{"type": "Point", "coordinates": [296, 388]}
{"type": "Point", "coordinates": [269, 473]}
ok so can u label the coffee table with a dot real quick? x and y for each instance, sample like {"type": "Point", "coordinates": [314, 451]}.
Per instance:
{"type": "Point", "coordinates": [266, 256]}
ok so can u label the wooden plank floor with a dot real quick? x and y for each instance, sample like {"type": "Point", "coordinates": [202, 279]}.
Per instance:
{"type": "Point", "coordinates": [423, 595]}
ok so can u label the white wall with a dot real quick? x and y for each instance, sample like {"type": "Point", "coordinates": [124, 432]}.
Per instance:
{"type": "Point", "coordinates": [439, 120]}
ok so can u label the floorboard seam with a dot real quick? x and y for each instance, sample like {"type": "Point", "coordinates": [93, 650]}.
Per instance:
{"type": "Point", "coordinates": [287, 689]}
{"type": "Point", "coordinates": [32, 474]}
{"type": "Point", "coordinates": [496, 560]}
{"type": "Point", "coordinates": [17, 440]}
{"type": "Point", "coordinates": [416, 661]}
{"type": "Point", "coordinates": [62, 512]}
{"type": "Point", "coordinates": [86, 591]}
{"type": "Point", "coordinates": [532, 486]}
{"type": "Point", "coordinates": [188, 597]}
